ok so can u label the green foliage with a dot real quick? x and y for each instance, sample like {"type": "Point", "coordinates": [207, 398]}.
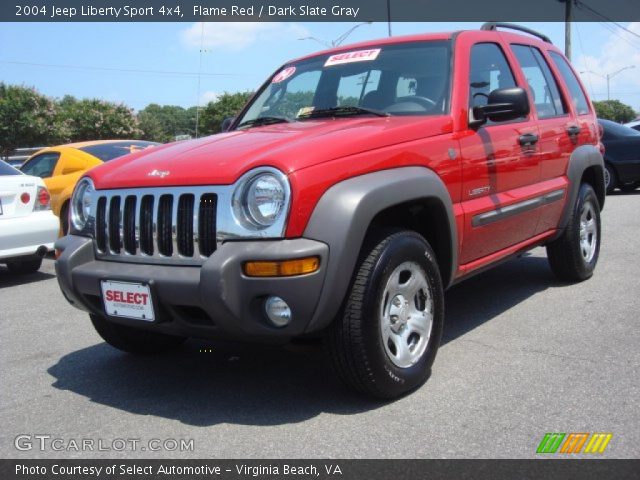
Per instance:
{"type": "Point", "coordinates": [94, 119]}
{"type": "Point", "coordinates": [27, 119]}
{"type": "Point", "coordinates": [162, 123]}
{"type": "Point", "coordinates": [614, 110]}
{"type": "Point", "coordinates": [227, 105]}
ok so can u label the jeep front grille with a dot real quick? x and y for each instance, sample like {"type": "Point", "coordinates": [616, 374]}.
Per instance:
{"type": "Point", "coordinates": [157, 225]}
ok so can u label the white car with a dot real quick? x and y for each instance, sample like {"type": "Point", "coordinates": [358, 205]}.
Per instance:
{"type": "Point", "coordinates": [28, 227]}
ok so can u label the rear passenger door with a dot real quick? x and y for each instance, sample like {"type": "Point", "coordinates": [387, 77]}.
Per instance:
{"type": "Point", "coordinates": [498, 166]}
{"type": "Point", "coordinates": [556, 124]}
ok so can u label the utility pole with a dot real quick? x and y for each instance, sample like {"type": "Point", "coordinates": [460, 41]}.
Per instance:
{"type": "Point", "coordinates": [389, 16]}
{"type": "Point", "coordinates": [609, 76]}
{"type": "Point", "coordinates": [567, 27]}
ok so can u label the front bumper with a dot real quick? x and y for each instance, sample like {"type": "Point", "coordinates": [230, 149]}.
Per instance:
{"type": "Point", "coordinates": [212, 300]}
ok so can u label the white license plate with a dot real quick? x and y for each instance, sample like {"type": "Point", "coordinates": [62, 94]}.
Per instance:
{"type": "Point", "coordinates": [128, 300]}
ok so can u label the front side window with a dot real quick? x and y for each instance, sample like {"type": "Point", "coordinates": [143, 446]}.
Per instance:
{"type": "Point", "coordinates": [578, 98]}
{"type": "Point", "coordinates": [542, 86]}
{"type": "Point", "coordinates": [41, 165]}
{"type": "Point", "coordinates": [109, 151]}
{"type": "Point", "coordinates": [403, 79]}
{"type": "Point", "coordinates": [489, 71]}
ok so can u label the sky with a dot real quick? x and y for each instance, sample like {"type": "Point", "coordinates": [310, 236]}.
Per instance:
{"type": "Point", "coordinates": [141, 63]}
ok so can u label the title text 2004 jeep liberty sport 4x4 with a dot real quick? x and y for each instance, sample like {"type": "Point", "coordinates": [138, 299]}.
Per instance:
{"type": "Point", "coordinates": [355, 186]}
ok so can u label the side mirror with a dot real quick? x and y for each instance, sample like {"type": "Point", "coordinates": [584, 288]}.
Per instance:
{"type": "Point", "coordinates": [226, 123]}
{"type": "Point", "coordinates": [503, 104]}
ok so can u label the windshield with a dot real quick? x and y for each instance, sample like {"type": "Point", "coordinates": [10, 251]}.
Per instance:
{"type": "Point", "coordinates": [403, 79]}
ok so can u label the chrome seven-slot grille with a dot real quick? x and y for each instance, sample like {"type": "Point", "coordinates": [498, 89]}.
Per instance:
{"type": "Point", "coordinates": [156, 225]}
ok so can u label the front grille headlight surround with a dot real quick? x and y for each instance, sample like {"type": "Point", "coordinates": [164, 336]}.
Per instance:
{"type": "Point", "coordinates": [260, 203]}
{"type": "Point", "coordinates": [83, 207]}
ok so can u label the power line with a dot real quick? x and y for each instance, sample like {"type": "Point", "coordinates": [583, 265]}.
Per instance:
{"type": "Point", "coordinates": [595, 12]}
{"type": "Point", "coordinates": [122, 70]}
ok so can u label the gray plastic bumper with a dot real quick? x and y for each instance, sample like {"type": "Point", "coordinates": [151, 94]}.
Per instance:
{"type": "Point", "coordinates": [212, 300]}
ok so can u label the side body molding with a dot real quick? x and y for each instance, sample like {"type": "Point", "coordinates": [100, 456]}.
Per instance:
{"type": "Point", "coordinates": [345, 211]}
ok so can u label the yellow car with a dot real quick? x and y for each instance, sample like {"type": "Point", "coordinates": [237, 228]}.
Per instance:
{"type": "Point", "coordinates": [60, 167]}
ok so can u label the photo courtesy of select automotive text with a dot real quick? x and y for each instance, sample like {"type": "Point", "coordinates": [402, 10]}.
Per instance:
{"type": "Point", "coordinates": [319, 239]}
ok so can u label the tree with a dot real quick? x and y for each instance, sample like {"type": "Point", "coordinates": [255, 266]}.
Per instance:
{"type": "Point", "coordinates": [614, 110]}
{"type": "Point", "coordinates": [94, 119]}
{"type": "Point", "coordinates": [227, 105]}
{"type": "Point", "coordinates": [27, 119]}
{"type": "Point", "coordinates": [163, 123]}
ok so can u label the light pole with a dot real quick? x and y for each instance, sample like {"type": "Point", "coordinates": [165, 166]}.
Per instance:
{"type": "Point", "coordinates": [338, 41]}
{"type": "Point", "coordinates": [609, 76]}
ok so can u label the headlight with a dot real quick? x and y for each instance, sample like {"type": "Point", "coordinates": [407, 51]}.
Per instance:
{"type": "Point", "coordinates": [260, 200]}
{"type": "Point", "coordinates": [81, 203]}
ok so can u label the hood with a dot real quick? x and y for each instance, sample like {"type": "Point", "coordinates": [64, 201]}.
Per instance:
{"type": "Point", "coordinates": [221, 159]}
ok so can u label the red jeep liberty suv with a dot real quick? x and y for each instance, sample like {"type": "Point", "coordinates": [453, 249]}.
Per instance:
{"type": "Point", "coordinates": [351, 191]}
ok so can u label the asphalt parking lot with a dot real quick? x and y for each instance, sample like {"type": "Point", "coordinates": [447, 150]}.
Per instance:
{"type": "Point", "coordinates": [522, 355]}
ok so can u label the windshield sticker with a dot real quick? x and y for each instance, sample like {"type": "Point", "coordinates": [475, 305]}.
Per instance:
{"type": "Point", "coordinates": [284, 74]}
{"type": "Point", "coordinates": [305, 111]}
{"type": "Point", "coordinates": [350, 57]}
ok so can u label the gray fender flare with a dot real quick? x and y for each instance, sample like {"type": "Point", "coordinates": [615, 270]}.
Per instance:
{"type": "Point", "coordinates": [582, 158]}
{"type": "Point", "coordinates": [345, 211]}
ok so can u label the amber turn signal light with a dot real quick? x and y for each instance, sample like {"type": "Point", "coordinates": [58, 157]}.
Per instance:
{"type": "Point", "coordinates": [284, 268]}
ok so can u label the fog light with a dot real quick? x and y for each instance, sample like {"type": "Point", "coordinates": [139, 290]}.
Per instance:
{"type": "Point", "coordinates": [277, 311]}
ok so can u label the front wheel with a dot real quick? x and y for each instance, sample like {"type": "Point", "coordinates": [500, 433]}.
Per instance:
{"type": "Point", "coordinates": [573, 256]}
{"type": "Point", "coordinates": [386, 337]}
{"type": "Point", "coordinates": [134, 340]}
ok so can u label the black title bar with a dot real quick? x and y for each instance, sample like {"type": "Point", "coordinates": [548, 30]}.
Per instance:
{"type": "Point", "coordinates": [209, 469]}
{"type": "Point", "coordinates": [316, 10]}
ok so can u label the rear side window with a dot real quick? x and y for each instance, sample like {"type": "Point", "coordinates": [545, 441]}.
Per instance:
{"type": "Point", "coordinates": [542, 85]}
{"type": "Point", "coordinates": [577, 95]}
{"type": "Point", "coordinates": [6, 169]}
{"type": "Point", "coordinates": [41, 165]}
{"type": "Point", "coordinates": [489, 71]}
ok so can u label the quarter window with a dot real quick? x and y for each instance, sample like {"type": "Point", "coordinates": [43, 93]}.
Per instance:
{"type": "Point", "coordinates": [542, 86]}
{"type": "Point", "coordinates": [577, 95]}
{"type": "Point", "coordinates": [41, 165]}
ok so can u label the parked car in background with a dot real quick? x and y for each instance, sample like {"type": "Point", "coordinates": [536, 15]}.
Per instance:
{"type": "Point", "coordinates": [62, 166]}
{"type": "Point", "coordinates": [635, 125]}
{"type": "Point", "coordinates": [28, 227]}
{"type": "Point", "coordinates": [621, 156]}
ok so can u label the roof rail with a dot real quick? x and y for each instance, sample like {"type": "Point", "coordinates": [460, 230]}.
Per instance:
{"type": "Point", "coordinates": [513, 26]}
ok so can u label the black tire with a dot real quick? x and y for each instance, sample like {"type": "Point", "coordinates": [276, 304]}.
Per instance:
{"type": "Point", "coordinates": [64, 219]}
{"type": "Point", "coordinates": [134, 340]}
{"type": "Point", "coordinates": [610, 174]}
{"type": "Point", "coordinates": [355, 339]}
{"type": "Point", "coordinates": [568, 260]}
{"type": "Point", "coordinates": [25, 266]}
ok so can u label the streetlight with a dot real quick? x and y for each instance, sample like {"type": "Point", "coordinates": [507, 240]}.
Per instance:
{"type": "Point", "coordinates": [609, 76]}
{"type": "Point", "coordinates": [338, 41]}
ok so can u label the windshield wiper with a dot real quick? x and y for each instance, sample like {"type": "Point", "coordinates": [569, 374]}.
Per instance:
{"type": "Point", "coordinates": [256, 122]}
{"type": "Point", "coordinates": [343, 111]}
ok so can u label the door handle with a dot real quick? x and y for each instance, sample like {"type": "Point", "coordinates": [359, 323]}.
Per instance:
{"type": "Point", "coordinates": [528, 139]}
{"type": "Point", "coordinates": [573, 130]}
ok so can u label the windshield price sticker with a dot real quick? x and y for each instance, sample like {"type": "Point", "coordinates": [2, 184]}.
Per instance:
{"type": "Point", "coordinates": [350, 57]}
{"type": "Point", "coordinates": [284, 74]}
